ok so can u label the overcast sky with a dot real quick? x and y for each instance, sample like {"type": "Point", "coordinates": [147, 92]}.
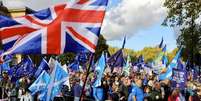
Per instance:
{"type": "Point", "coordinates": [139, 19]}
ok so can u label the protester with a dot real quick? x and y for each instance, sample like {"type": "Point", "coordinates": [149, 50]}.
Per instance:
{"type": "Point", "coordinates": [114, 87]}
{"type": "Point", "coordinates": [105, 86]}
{"type": "Point", "coordinates": [174, 96]}
{"type": "Point", "coordinates": [137, 93]}
{"type": "Point", "coordinates": [77, 88]}
{"type": "Point", "coordinates": [115, 94]}
{"type": "Point", "coordinates": [124, 88]}
{"type": "Point", "coordinates": [139, 85]}
{"type": "Point", "coordinates": [156, 93]}
{"type": "Point", "coordinates": [98, 93]}
{"type": "Point", "coordinates": [26, 96]}
{"type": "Point", "coordinates": [13, 93]}
{"type": "Point", "coordinates": [167, 89]}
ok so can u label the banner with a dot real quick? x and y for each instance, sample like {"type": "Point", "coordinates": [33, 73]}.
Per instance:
{"type": "Point", "coordinates": [179, 78]}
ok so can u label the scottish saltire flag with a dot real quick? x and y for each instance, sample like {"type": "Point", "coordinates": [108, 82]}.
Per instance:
{"type": "Point", "coordinates": [127, 67]}
{"type": "Point", "coordinates": [161, 43]}
{"type": "Point", "coordinates": [51, 64]}
{"type": "Point", "coordinates": [43, 66]}
{"type": "Point", "coordinates": [12, 29]}
{"type": "Point", "coordinates": [99, 70]}
{"type": "Point", "coordinates": [172, 65]}
{"type": "Point", "coordinates": [65, 68]}
{"type": "Point", "coordinates": [67, 82]}
{"type": "Point", "coordinates": [58, 77]}
{"type": "Point", "coordinates": [75, 28]}
{"type": "Point", "coordinates": [40, 84]}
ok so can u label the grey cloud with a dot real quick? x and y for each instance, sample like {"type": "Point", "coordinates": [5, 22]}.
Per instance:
{"type": "Point", "coordinates": [131, 16]}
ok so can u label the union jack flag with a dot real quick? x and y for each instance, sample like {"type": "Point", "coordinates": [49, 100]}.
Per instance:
{"type": "Point", "coordinates": [13, 29]}
{"type": "Point", "coordinates": [72, 27]}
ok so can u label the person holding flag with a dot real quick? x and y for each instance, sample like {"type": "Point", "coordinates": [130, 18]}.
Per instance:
{"type": "Point", "coordinates": [49, 86]}
{"type": "Point", "coordinates": [97, 89]}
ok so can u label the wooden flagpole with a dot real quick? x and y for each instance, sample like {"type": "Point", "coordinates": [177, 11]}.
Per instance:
{"type": "Point", "coordinates": [88, 70]}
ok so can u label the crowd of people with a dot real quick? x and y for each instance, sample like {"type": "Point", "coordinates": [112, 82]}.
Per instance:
{"type": "Point", "coordinates": [138, 86]}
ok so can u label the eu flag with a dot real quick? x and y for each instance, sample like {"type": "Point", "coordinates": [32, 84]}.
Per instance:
{"type": "Point", "coordinates": [116, 60]}
{"type": "Point", "coordinates": [74, 66]}
{"type": "Point", "coordinates": [26, 68]}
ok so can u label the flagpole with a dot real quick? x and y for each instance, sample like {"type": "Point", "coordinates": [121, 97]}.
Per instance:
{"type": "Point", "coordinates": [88, 69]}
